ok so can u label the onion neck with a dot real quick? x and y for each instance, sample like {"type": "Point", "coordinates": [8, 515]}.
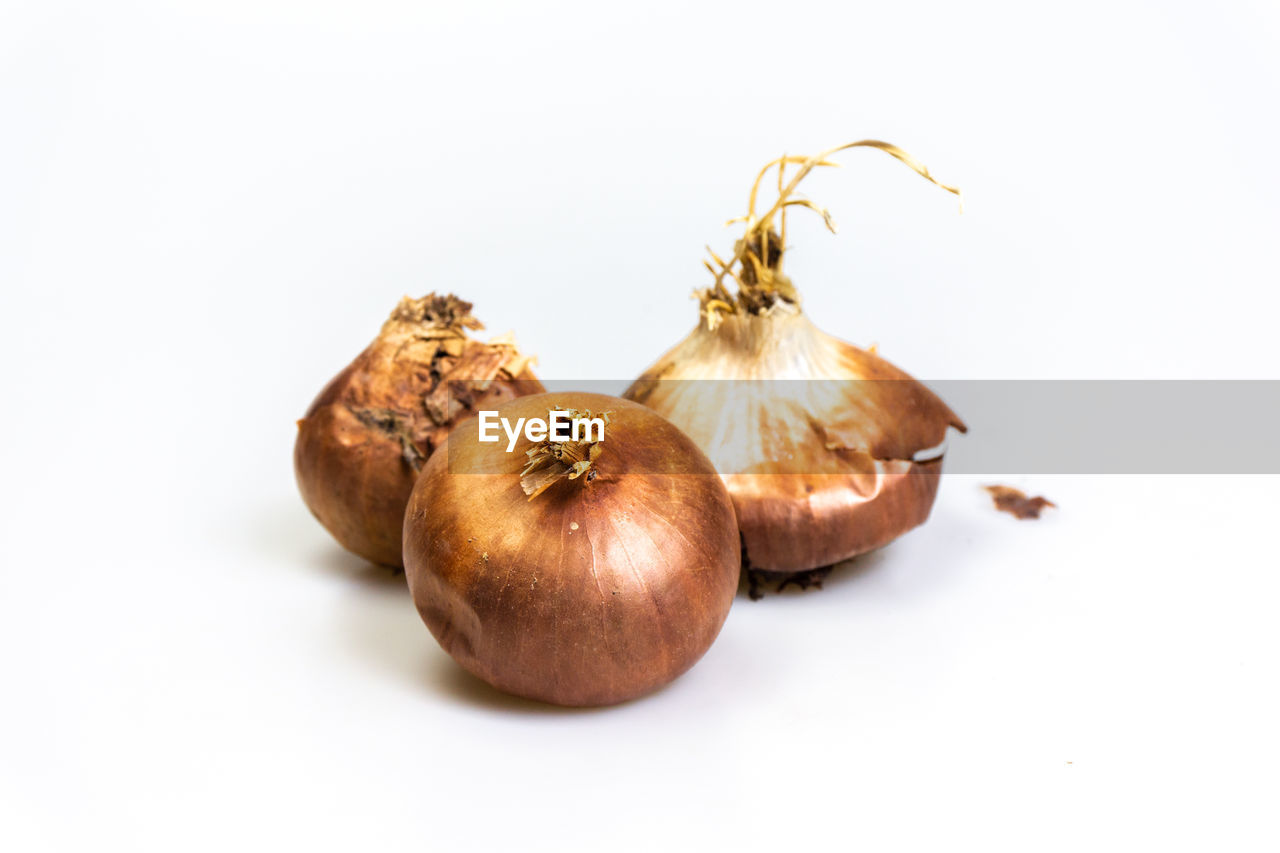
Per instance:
{"type": "Point", "coordinates": [437, 315]}
{"type": "Point", "coordinates": [762, 287]}
{"type": "Point", "coordinates": [550, 461]}
{"type": "Point", "coordinates": [434, 332]}
{"type": "Point", "coordinates": [763, 284]}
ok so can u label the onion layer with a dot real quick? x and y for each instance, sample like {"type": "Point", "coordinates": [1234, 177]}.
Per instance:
{"type": "Point", "coordinates": [365, 438]}
{"type": "Point", "coordinates": [595, 587]}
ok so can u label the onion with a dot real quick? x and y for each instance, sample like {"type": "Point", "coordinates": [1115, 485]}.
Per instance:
{"type": "Point", "coordinates": [577, 573]}
{"type": "Point", "coordinates": [365, 438]}
{"type": "Point", "coordinates": [821, 456]}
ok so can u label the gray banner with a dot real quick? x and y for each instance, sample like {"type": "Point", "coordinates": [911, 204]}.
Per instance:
{"type": "Point", "coordinates": [1014, 426]}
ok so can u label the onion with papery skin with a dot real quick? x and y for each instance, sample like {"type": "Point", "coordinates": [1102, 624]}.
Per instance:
{"type": "Point", "coordinates": [365, 438]}
{"type": "Point", "coordinates": [817, 440]}
{"type": "Point", "coordinates": [574, 573]}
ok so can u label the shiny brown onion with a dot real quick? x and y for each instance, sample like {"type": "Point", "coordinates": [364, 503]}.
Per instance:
{"type": "Point", "coordinates": [364, 440]}
{"type": "Point", "coordinates": [573, 574]}
{"type": "Point", "coordinates": [820, 443]}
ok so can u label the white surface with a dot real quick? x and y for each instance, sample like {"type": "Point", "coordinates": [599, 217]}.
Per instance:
{"type": "Point", "coordinates": [206, 209]}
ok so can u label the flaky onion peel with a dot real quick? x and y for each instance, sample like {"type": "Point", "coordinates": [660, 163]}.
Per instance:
{"type": "Point", "coordinates": [365, 438]}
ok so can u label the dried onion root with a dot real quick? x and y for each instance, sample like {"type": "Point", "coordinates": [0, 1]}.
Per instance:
{"type": "Point", "coordinates": [367, 435]}
{"type": "Point", "coordinates": [821, 457]}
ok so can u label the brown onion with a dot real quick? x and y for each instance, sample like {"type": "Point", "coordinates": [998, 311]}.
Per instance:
{"type": "Point", "coordinates": [365, 438]}
{"type": "Point", "coordinates": [577, 573]}
{"type": "Point", "coordinates": [817, 440]}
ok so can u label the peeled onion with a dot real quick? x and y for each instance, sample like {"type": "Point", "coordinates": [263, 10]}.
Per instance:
{"type": "Point", "coordinates": [573, 573]}
{"type": "Point", "coordinates": [364, 440]}
{"type": "Point", "coordinates": [820, 443]}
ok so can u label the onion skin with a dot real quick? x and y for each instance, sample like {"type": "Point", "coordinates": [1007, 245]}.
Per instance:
{"type": "Point", "coordinates": [365, 437]}
{"type": "Point", "coordinates": [820, 467]}
{"type": "Point", "coordinates": [797, 522]}
{"type": "Point", "coordinates": [598, 590]}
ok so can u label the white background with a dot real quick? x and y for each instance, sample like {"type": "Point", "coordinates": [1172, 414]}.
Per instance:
{"type": "Point", "coordinates": [208, 208]}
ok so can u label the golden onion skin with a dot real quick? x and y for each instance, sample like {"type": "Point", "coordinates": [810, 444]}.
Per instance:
{"type": "Point", "coordinates": [365, 437]}
{"type": "Point", "coordinates": [598, 590]}
{"type": "Point", "coordinates": [796, 522]}
{"type": "Point", "coordinates": [814, 437]}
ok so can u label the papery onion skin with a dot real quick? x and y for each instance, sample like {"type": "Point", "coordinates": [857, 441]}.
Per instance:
{"type": "Point", "coordinates": [802, 503]}
{"type": "Point", "coordinates": [365, 437]}
{"type": "Point", "coordinates": [598, 590]}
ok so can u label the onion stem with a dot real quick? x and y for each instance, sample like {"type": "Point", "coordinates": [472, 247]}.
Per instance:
{"type": "Point", "coordinates": [766, 283]}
